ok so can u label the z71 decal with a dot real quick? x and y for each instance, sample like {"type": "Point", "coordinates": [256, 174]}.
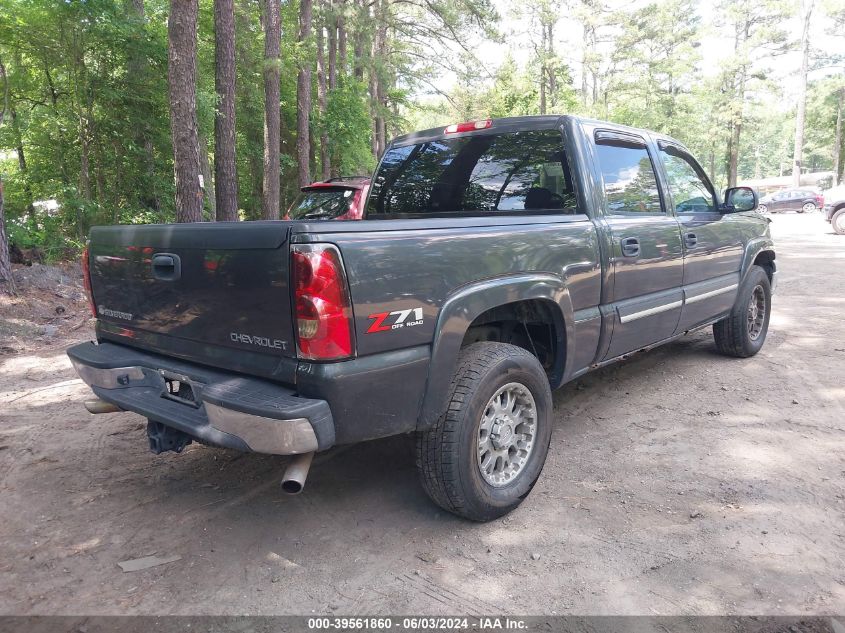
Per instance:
{"type": "Point", "coordinates": [386, 321]}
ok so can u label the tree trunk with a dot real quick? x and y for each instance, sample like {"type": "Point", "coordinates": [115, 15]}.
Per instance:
{"type": "Point", "coordinates": [207, 180]}
{"type": "Point", "coordinates": [737, 117]}
{"type": "Point", "coordinates": [84, 160]}
{"type": "Point", "coordinates": [322, 104]}
{"type": "Point", "coordinates": [733, 151]}
{"type": "Point", "coordinates": [225, 170]}
{"type": "Point", "coordinates": [332, 48]}
{"type": "Point", "coordinates": [86, 124]}
{"type": "Point", "coordinates": [358, 46]}
{"type": "Point", "coordinates": [272, 107]}
{"type": "Point", "coordinates": [373, 81]}
{"type": "Point", "coordinates": [802, 96]}
{"type": "Point", "coordinates": [118, 177]}
{"type": "Point", "coordinates": [182, 84]}
{"type": "Point", "coordinates": [837, 140]}
{"type": "Point", "coordinates": [712, 164]}
{"type": "Point", "coordinates": [543, 69]}
{"type": "Point", "coordinates": [342, 60]}
{"type": "Point", "coordinates": [586, 60]}
{"type": "Point", "coordinates": [377, 93]}
{"type": "Point", "coordinates": [550, 66]}
{"type": "Point", "coordinates": [303, 99]}
{"type": "Point", "coordinates": [7, 281]}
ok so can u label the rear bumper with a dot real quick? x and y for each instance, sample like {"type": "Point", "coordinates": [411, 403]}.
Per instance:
{"type": "Point", "coordinates": [230, 410]}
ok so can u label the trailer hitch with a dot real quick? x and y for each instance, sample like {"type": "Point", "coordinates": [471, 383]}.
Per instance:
{"type": "Point", "coordinates": [163, 438]}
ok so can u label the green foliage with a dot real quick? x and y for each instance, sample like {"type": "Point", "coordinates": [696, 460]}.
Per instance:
{"type": "Point", "coordinates": [348, 123]}
{"type": "Point", "coordinates": [88, 85]}
{"type": "Point", "coordinates": [75, 93]}
{"type": "Point", "coordinates": [822, 102]}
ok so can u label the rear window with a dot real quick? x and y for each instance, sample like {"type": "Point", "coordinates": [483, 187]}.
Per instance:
{"type": "Point", "coordinates": [520, 172]}
{"type": "Point", "coordinates": [321, 204]}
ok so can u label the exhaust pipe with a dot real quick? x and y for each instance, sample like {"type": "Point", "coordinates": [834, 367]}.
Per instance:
{"type": "Point", "coordinates": [101, 406]}
{"type": "Point", "coordinates": [294, 479]}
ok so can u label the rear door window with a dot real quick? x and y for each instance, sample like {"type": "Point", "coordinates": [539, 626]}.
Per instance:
{"type": "Point", "coordinates": [520, 172]}
{"type": "Point", "coordinates": [630, 186]}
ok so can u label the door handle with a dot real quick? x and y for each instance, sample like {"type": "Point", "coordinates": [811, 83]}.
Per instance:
{"type": "Point", "coordinates": [167, 266]}
{"type": "Point", "coordinates": [630, 246]}
{"type": "Point", "coordinates": [690, 239]}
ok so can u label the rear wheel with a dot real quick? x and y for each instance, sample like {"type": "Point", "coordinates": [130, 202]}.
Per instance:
{"type": "Point", "coordinates": [838, 222]}
{"type": "Point", "coordinates": [484, 455]}
{"type": "Point", "coordinates": [743, 332]}
{"type": "Point", "coordinates": [808, 207]}
{"type": "Point", "coordinates": [762, 208]}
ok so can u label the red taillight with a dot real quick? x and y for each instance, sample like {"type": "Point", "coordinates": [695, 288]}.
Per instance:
{"type": "Point", "coordinates": [86, 280]}
{"type": "Point", "coordinates": [321, 303]}
{"type": "Point", "coordinates": [469, 126]}
{"type": "Point", "coordinates": [819, 200]}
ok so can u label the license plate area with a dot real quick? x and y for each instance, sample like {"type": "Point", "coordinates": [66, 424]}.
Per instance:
{"type": "Point", "coordinates": [179, 388]}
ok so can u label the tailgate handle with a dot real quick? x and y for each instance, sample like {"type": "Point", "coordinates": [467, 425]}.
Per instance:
{"type": "Point", "coordinates": [167, 266]}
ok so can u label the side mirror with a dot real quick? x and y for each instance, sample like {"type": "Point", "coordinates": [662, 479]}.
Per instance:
{"type": "Point", "coordinates": [740, 199]}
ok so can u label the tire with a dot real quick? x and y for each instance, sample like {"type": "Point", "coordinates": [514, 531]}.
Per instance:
{"type": "Point", "coordinates": [808, 207]}
{"type": "Point", "coordinates": [762, 208]}
{"type": "Point", "coordinates": [838, 222]}
{"type": "Point", "coordinates": [735, 335]}
{"type": "Point", "coordinates": [448, 455]}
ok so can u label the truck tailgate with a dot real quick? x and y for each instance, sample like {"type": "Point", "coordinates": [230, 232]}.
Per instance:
{"type": "Point", "coordinates": [219, 285]}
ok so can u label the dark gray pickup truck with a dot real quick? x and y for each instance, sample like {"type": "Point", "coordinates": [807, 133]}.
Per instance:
{"type": "Point", "coordinates": [497, 260]}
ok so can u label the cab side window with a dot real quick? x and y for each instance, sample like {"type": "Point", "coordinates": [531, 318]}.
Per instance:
{"type": "Point", "coordinates": [630, 186]}
{"type": "Point", "coordinates": [690, 190]}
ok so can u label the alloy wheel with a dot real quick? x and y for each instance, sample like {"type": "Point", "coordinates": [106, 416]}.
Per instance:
{"type": "Point", "coordinates": [506, 434]}
{"type": "Point", "coordinates": [756, 312]}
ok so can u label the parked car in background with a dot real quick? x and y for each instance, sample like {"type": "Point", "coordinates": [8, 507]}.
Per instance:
{"type": "Point", "coordinates": [834, 210]}
{"type": "Point", "coordinates": [333, 199]}
{"type": "Point", "coordinates": [799, 200]}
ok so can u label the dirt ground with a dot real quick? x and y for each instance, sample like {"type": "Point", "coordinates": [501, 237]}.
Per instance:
{"type": "Point", "coordinates": [679, 482]}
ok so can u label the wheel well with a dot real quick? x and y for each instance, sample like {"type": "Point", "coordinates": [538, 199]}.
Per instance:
{"type": "Point", "coordinates": [534, 325]}
{"type": "Point", "coordinates": [766, 260]}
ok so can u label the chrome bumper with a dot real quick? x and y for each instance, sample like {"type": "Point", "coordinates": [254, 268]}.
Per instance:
{"type": "Point", "coordinates": [264, 435]}
{"type": "Point", "coordinates": [143, 390]}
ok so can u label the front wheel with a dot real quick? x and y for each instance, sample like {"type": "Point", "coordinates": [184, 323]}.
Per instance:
{"type": "Point", "coordinates": [743, 332]}
{"type": "Point", "coordinates": [838, 222]}
{"type": "Point", "coordinates": [484, 455]}
{"type": "Point", "coordinates": [762, 208]}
